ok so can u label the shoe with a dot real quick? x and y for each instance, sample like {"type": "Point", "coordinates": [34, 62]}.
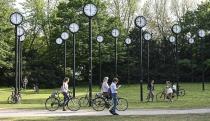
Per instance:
{"type": "Point", "coordinates": [111, 112]}
{"type": "Point", "coordinates": [64, 109]}
{"type": "Point", "coordinates": [115, 114]}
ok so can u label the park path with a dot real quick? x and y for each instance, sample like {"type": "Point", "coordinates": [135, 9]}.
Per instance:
{"type": "Point", "coordinates": [86, 112]}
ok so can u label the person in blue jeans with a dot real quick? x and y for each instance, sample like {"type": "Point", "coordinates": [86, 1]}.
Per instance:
{"type": "Point", "coordinates": [114, 89]}
{"type": "Point", "coordinates": [64, 90]}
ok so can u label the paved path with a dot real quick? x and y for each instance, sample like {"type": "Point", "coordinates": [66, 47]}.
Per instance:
{"type": "Point", "coordinates": [30, 113]}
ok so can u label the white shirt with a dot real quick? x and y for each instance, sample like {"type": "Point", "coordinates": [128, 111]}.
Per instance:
{"type": "Point", "coordinates": [105, 87]}
{"type": "Point", "coordinates": [64, 87]}
{"type": "Point", "coordinates": [113, 87]}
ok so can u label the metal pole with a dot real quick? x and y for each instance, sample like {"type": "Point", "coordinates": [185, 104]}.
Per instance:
{"type": "Point", "coordinates": [128, 63]}
{"type": "Point", "coordinates": [16, 61]}
{"type": "Point", "coordinates": [116, 57]}
{"type": "Point", "coordinates": [148, 62]}
{"type": "Point", "coordinates": [19, 64]}
{"type": "Point", "coordinates": [64, 58]}
{"type": "Point", "coordinates": [141, 67]}
{"type": "Point", "coordinates": [202, 57]}
{"type": "Point", "coordinates": [90, 60]}
{"type": "Point", "coordinates": [176, 61]}
{"type": "Point", "coordinates": [74, 65]}
{"type": "Point", "coordinates": [21, 61]}
{"type": "Point", "coordinates": [99, 63]}
{"type": "Point", "coordinates": [191, 64]}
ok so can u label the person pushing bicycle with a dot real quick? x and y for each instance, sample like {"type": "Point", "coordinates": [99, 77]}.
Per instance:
{"type": "Point", "coordinates": [64, 90]}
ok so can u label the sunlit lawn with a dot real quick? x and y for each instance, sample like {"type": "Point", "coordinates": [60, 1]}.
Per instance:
{"type": "Point", "coordinates": [194, 98]}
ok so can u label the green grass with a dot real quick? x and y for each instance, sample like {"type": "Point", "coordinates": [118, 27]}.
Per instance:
{"type": "Point", "coordinates": [194, 98]}
{"type": "Point", "coordinates": [188, 117]}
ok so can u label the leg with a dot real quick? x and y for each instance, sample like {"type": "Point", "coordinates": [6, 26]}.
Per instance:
{"type": "Point", "coordinates": [66, 98]}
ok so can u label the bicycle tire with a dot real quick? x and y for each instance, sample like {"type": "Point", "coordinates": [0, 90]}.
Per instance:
{"type": "Point", "coordinates": [160, 96]}
{"type": "Point", "coordinates": [10, 100]}
{"type": "Point", "coordinates": [83, 101]}
{"type": "Point", "coordinates": [122, 104]}
{"type": "Point", "coordinates": [181, 92]}
{"type": "Point", "coordinates": [98, 104]}
{"type": "Point", "coordinates": [73, 104]}
{"type": "Point", "coordinates": [52, 104]}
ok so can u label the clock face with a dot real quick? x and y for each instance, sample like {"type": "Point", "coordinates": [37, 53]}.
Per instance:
{"type": "Point", "coordinates": [64, 35]}
{"type": "Point", "coordinates": [140, 21]}
{"type": "Point", "coordinates": [100, 39]}
{"type": "Point", "coordinates": [74, 27]}
{"type": "Point", "coordinates": [16, 18]}
{"type": "Point", "coordinates": [20, 31]}
{"type": "Point", "coordinates": [115, 32]}
{"type": "Point", "coordinates": [90, 10]}
{"type": "Point", "coordinates": [191, 41]}
{"type": "Point", "coordinates": [59, 41]}
{"type": "Point", "coordinates": [201, 33]}
{"type": "Point", "coordinates": [172, 39]}
{"type": "Point", "coordinates": [22, 38]}
{"type": "Point", "coordinates": [128, 41]}
{"type": "Point", "coordinates": [176, 29]}
{"type": "Point", "coordinates": [147, 36]}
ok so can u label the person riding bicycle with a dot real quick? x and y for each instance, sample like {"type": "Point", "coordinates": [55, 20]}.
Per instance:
{"type": "Point", "coordinates": [150, 88]}
{"type": "Point", "coordinates": [64, 90]}
{"type": "Point", "coordinates": [169, 91]}
{"type": "Point", "coordinates": [105, 88]}
{"type": "Point", "coordinates": [114, 89]}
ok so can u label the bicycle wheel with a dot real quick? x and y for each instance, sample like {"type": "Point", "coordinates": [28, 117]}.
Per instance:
{"type": "Point", "coordinates": [122, 104]}
{"type": "Point", "coordinates": [83, 101]}
{"type": "Point", "coordinates": [52, 104]}
{"type": "Point", "coordinates": [160, 96]}
{"type": "Point", "coordinates": [73, 104]}
{"type": "Point", "coordinates": [98, 104]}
{"type": "Point", "coordinates": [10, 100]}
{"type": "Point", "coordinates": [181, 92]}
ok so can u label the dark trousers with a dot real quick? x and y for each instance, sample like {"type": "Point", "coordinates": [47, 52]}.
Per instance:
{"type": "Point", "coordinates": [114, 102]}
{"type": "Point", "coordinates": [66, 99]}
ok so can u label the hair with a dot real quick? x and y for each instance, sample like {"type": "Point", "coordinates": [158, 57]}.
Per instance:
{"type": "Point", "coordinates": [66, 79]}
{"type": "Point", "coordinates": [115, 80]}
{"type": "Point", "coordinates": [106, 79]}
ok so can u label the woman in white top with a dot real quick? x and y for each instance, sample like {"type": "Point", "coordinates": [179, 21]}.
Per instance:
{"type": "Point", "coordinates": [105, 87]}
{"type": "Point", "coordinates": [64, 90]}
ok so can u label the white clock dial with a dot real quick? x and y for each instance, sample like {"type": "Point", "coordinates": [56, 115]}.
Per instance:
{"type": "Point", "coordinates": [20, 31]}
{"type": "Point", "coordinates": [176, 29]}
{"type": "Point", "coordinates": [74, 27]}
{"type": "Point", "coordinates": [140, 21]}
{"type": "Point", "coordinates": [191, 40]}
{"type": "Point", "coordinates": [59, 41]}
{"type": "Point", "coordinates": [147, 36]}
{"type": "Point", "coordinates": [201, 33]}
{"type": "Point", "coordinates": [90, 10]}
{"type": "Point", "coordinates": [128, 41]}
{"type": "Point", "coordinates": [16, 18]}
{"type": "Point", "coordinates": [65, 35]}
{"type": "Point", "coordinates": [100, 39]}
{"type": "Point", "coordinates": [115, 32]}
{"type": "Point", "coordinates": [22, 38]}
{"type": "Point", "coordinates": [172, 39]}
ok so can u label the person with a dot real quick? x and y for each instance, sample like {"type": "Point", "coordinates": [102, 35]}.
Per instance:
{"type": "Point", "coordinates": [25, 82]}
{"type": "Point", "coordinates": [64, 90]}
{"type": "Point", "coordinates": [150, 88]}
{"type": "Point", "coordinates": [114, 89]}
{"type": "Point", "coordinates": [36, 88]}
{"type": "Point", "coordinates": [105, 88]}
{"type": "Point", "coordinates": [169, 91]}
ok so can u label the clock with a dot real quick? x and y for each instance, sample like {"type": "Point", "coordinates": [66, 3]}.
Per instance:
{"type": "Point", "coordinates": [59, 41]}
{"type": "Point", "coordinates": [201, 33]}
{"type": "Point", "coordinates": [140, 21]}
{"type": "Point", "coordinates": [22, 38]}
{"type": "Point", "coordinates": [115, 33]}
{"type": "Point", "coordinates": [176, 29]}
{"type": "Point", "coordinates": [147, 36]}
{"type": "Point", "coordinates": [20, 31]}
{"type": "Point", "coordinates": [90, 10]}
{"type": "Point", "coordinates": [128, 41]}
{"type": "Point", "coordinates": [64, 35]}
{"type": "Point", "coordinates": [172, 39]}
{"type": "Point", "coordinates": [191, 40]}
{"type": "Point", "coordinates": [16, 18]}
{"type": "Point", "coordinates": [74, 28]}
{"type": "Point", "coordinates": [100, 39]}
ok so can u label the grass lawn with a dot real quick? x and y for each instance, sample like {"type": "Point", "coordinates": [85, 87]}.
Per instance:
{"type": "Point", "coordinates": [189, 117]}
{"type": "Point", "coordinates": [194, 98]}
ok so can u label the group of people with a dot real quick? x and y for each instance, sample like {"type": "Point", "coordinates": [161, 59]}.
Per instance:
{"type": "Point", "coordinates": [107, 92]}
{"type": "Point", "coordinates": [168, 91]}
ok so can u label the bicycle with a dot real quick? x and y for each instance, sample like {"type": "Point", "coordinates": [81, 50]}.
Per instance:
{"type": "Point", "coordinates": [54, 102]}
{"type": "Point", "coordinates": [100, 103]}
{"type": "Point", "coordinates": [163, 96]}
{"type": "Point", "coordinates": [14, 98]}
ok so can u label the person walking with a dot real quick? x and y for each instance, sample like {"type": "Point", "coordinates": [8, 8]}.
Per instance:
{"type": "Point", "coordinates": [114, 89]}
{"type": "Point", "coordinates": [64, 90]}
{"type": "Point", "coordinates": [105, 88]}
{"type": "Point", "coordinates": [150, 88]}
